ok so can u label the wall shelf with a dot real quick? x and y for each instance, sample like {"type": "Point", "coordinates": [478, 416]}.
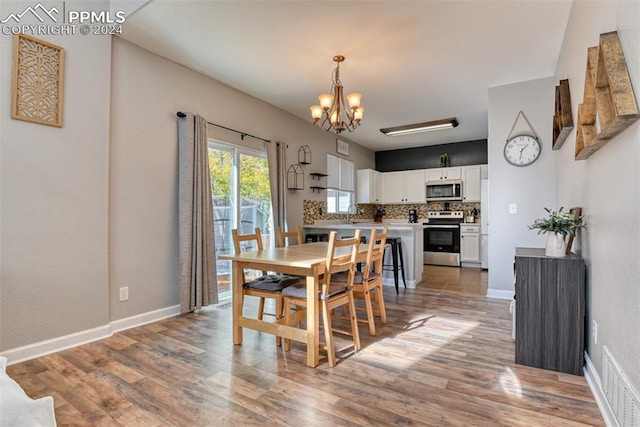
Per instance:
{"type": "Point", "coordinates": [562, 118]}
{"type": "Point", "coordinates": [317, 175]}
{"type": "Point", "coordinates": [318, 189]}
{"type": "Point", "coordinates": [609, 105]}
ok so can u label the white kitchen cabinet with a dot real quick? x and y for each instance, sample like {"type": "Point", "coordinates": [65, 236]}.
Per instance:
{"type": "Point", "coordinates": [369, 188]}
{"type": "Point", "coordinates": [470, 243]}
{"type": "Point", "coordinates": [443, 174]}
{"type": "Point", "coordinates": [340, 173]}
{"type": "Point", "coordinates": [404, 186]}
{"type": "Point", "coordinates": [471, 183]}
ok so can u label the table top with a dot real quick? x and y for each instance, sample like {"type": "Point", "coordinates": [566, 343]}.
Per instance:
{"type": "Point", "coordinates": [304, 256]}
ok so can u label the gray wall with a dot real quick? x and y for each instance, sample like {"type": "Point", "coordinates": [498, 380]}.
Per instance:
{"type": "Point", "coordinates": [531, 188]}
{"type": "Point", "coordinates": [606, 185]}
{"type": "Point", "coordinates": [54, 198]}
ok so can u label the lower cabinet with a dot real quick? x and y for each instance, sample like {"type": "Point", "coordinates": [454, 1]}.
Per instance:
{"type": "Point", "coordinates": [550, 311]}
{"type": "Point", "coordinates": [470, 243]}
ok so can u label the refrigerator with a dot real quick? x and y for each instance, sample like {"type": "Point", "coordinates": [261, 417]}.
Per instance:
{"type": "Point", "coordinates": [484, 223]}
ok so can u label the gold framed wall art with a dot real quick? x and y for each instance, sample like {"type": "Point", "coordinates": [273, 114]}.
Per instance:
{"type": "Point", "coordinates": [38, 74]}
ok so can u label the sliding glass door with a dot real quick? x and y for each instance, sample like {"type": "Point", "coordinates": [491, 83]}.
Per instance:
{"type": "Point", "coordinates": [241, 199]}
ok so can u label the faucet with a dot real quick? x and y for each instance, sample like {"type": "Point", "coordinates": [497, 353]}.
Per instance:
{"type": "Point", "coordinates": [355, 212]}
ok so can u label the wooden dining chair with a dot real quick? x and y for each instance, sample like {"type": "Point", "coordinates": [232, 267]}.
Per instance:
{"type": "Point", "coordinates": [367, 284]}
{"type": "Point", "coordinates": [331, 295]}
{"type": "Point", "coordinates": [266, 285]}
{"type": "Point", "coordinates": [284, 237]}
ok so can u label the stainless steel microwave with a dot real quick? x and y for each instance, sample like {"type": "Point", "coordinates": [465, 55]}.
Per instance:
{"type": "Point", "coordinates": [444, 190]}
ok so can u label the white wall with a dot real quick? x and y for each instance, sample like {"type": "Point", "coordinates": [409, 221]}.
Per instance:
{"type": "Point", "coordinates": [531, 188]}
{"type": "Point", "coordinates": [147, 91]}
{"type": "Point", "coordinates": [606, 185]}
{"type": "Point", "coordinates": [53, 198]}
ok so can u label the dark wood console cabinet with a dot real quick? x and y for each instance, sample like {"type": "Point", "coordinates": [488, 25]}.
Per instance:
{"type": "Point", "coordinates": [550, 311]}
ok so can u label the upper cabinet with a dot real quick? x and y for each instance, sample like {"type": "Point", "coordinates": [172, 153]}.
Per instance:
{"type": "Point", "coordinates": [369, 189]}
{"type": "Point", "coordinates": [443, 174]}
{"type": "Point", "coordinates": [471, 176]}
{"type": "Point", "coordinates": [404, 186]}
{"type": "Point", "coordinates": [340, 173]}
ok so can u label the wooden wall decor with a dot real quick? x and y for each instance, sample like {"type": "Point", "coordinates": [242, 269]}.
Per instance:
{"type": "Point", "coordinates": [609, 105]}
{"type": "Point", "coordinates": [562, 118]}
{"type": "Point", "coordinates": [38, 70]}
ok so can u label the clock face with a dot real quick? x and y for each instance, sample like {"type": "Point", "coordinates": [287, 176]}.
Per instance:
{"type": "Point", "coordinates": [522, 150]}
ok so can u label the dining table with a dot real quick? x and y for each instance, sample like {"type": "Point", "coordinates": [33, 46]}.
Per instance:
{"type": "Point", "coordinates": [307, 260]}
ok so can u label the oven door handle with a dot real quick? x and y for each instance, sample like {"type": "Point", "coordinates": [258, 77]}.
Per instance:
{"type": "Point", "coordinates": [441, 226]}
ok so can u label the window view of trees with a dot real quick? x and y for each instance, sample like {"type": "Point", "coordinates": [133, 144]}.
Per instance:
{"type": "Point", "coordinates": [246, 207]}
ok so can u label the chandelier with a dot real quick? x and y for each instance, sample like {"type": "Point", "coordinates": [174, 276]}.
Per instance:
{"type": "Point", "coordinates": [332, 105]}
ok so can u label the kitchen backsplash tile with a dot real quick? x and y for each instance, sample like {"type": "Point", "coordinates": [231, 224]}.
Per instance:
{"type": "Point", "coordinates": [315, 210]}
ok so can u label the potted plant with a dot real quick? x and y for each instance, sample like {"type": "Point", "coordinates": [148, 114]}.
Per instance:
{"type": "Point", "coordinates": [558, 224]}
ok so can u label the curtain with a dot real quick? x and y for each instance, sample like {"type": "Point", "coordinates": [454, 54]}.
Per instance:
{"type": "Point", "coordinates": [197, 265]}
{"type": "Point", "coordinates": [277, 157]}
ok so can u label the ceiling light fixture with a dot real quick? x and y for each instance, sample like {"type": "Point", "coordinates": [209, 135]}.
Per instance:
{"type": "Point", "coordinates": [421, 127]}
{"type": "Point", "coordinates": [332, 106]}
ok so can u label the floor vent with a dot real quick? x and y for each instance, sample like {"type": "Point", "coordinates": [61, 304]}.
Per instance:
{"type": "Point", "coordinates": [622, 399]}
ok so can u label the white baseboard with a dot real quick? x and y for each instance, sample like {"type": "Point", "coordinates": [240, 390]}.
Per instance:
{"type": "Point", "coordinates": [42, 348]}
{"type": "Point", "coordinates": [53, 345]}
{"type": "Point", "coordinates": [144, 318]}
{"type": "Point", "coordinates": [499, 293]}
{"type": "Point", "coordinates": [593, 379]}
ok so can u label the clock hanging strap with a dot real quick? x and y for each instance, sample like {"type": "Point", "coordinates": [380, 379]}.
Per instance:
{"type": "Point", "coordinates": [521, 113]}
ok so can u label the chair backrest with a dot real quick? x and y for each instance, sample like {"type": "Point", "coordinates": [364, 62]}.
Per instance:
{"type": "Point", "coordinates": [256, 238]}
{"type": "Point", "coordinates": [339, 260]}
{"type": "Point", "coordinates": [375, 252]}
{"type": "Point", "coordinates": [239, 238]}
{"type": "Point", "coordinates": [293, 234]}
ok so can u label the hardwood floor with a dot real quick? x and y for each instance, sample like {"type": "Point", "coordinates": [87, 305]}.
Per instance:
{"type": "Point", "coordinates": [465, 280]}
{"type": "Point", "coordinates": [443, 359]}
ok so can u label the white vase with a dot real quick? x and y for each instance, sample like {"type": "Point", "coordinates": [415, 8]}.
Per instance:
{"type": "Point", "coordinates": [556, 246]}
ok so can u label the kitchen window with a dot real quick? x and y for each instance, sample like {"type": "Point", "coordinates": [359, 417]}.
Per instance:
{"type": "Point", "coordinates": [340, 184]}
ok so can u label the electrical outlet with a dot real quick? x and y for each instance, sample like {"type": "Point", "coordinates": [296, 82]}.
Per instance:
{"type": "Point", "coordinates": [595, 331]}
{"type": "Point", "coordinates": [124, 293]}
{"type": "Point", "coordinates": [513, 208]}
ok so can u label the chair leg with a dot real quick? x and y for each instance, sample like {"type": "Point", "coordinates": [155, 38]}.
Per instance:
{"type": "Point", "coordinates": [328, 334]}
{"type": "Point", "coordinates": [394, 258]}
{"type": "Point", "coordinates": [370, 318]}
{"type": "Point", "coordinates": [354, 322]}
{"type": "Point", "coordinates": [261, 308]}
{"type": "Point", "coordinates": [279, 309]}
{"type": "Point", "coordinates": [402, 264]}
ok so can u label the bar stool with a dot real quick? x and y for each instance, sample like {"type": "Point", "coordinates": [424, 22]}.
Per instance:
{"type": "Point", "coordinates": [396, 251]}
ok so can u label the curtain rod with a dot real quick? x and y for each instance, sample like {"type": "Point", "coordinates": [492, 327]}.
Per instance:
{"type": "Point", "coordinates": [242, 134]}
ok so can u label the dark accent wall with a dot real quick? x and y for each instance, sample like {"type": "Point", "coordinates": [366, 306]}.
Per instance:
{"type": "Point", "coordinates": [460, 154]}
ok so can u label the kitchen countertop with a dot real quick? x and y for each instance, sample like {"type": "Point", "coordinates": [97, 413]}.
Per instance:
{"type": "Point", "coordinates": [355, 224]}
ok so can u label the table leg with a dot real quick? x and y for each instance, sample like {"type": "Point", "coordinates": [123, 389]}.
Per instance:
{"type": "Point", "coordinates": [313, 329]}
{"type": "Point", "coordinates": [236, 286]}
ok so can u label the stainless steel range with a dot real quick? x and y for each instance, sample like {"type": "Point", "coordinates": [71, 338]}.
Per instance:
{"type": "Point", "coordinates": [442, 238]}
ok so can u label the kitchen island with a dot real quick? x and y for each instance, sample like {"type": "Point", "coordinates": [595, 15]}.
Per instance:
{"type": "Point", "coordinates": [412, 244]}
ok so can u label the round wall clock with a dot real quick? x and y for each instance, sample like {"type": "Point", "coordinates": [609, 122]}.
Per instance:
{"type": "Point", "coordinates": [522, 150]}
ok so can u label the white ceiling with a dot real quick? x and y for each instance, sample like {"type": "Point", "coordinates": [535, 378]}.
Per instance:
{"type": "Point", "coordinates": [413, 61]}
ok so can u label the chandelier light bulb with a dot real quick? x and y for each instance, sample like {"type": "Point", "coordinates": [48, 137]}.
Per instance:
{"type": "Point", "coordinates": [354, 100]}
{"type": "Point", "coordinates": [316, 112]}
{"type": "Point", "coordinates": [358, 113]}
{"type": "Point", "coordinates": [325, 101]}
